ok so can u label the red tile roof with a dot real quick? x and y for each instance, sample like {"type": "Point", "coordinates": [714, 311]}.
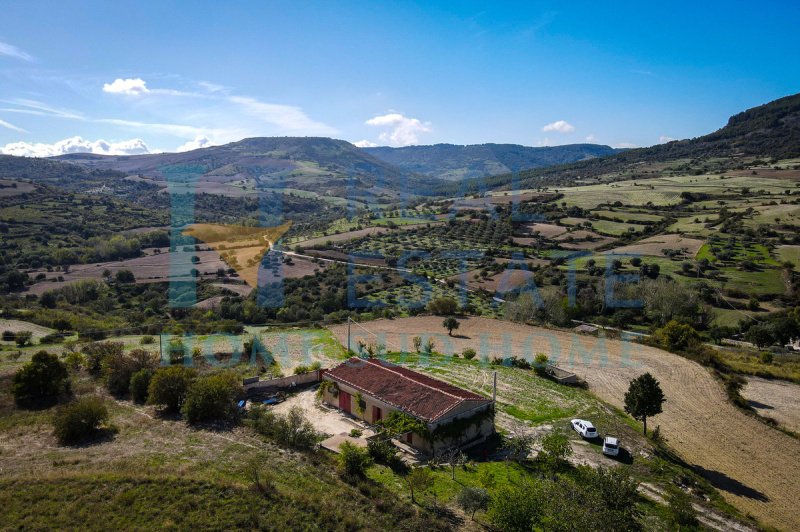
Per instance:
{"type": "Point", "coordinates": [416, 394]}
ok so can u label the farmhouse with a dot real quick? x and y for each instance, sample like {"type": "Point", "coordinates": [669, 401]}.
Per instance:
{"type": "Point", "coordinates": [371, 389]}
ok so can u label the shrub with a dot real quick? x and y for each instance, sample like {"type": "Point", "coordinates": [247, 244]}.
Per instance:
{"type": "Point", "coordinates": [125, 277]}
{"type": "Point", "coordinates": [469, 353]}
{"type": "Point", "coordinates": [23, 338]}
{"type": "Point", "coordinates": [119, 368]}
{"type": "Point", "coordinates": [147, 340]}
{"type": "Point", "coordinates": [353, 461]}
{"type": "Point", "coordinates": [80, 420]}
{"type": "Point", "coordinates": [74, 360]}
{"type": "Point", "coordinates": [97, 352]}
{"type": "Point", "coordinates": [213, 398]}
{"type": "Point", "coordinates": [169, 387]}
{"type": "Point", "coordinates": [555, 449]}
{"type": "Point", "coordinates": [766, 357]}
{"type": "Point", "coordinates": [382, 451]}
{"type": "Point", "coordinates": [443, 306]}
{"type": "Point", "coordinates": [292, 429]}
{"type": "Point", "coordinates": [42, 380]}
{"type": "Point", "coordinates": [140, 382]}
{"type": "Point", "coordinates": [682, 513]}
{"type": "Point", "coordinates": [356, 433]}
{"type": "Point", "coordinates": [53, 338]}
{"type": "Point", "coordinates": [9, 336]}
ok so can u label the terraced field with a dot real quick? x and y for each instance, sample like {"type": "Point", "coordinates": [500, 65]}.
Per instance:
{"type": "Point", "coordinates": [731, 449]}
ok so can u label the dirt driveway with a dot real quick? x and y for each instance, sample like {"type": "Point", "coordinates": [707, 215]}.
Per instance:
{"type": "Point", "coordinates": [326, 420]}
{"type": "Point", "coordinates": [755, 467]}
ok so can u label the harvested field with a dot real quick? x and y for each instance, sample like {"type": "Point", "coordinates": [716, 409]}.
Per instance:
{"type": "Point", "coordinates": [346, 257]}
{"type": "Point", "coordinates": [358, 233]}
{"type": "Point", "coordinates": [149, 268]}
{"type": "Point", "coordinates": [300, 267]}
{"type": "Point", "coordinates": [501, 282]}
{"type": "Point", "coordinates": [241, 289]}
{"type": "Point", "coordinates": [776, 399]}
{"type": "Point", "coordinates": [547, 230]}
{"type": "Point", "coordinates": [652, 246]}
{"type": "Point", "coordinates": [15, 326]}
{"type": "Point", "coordinates": [725, 445]}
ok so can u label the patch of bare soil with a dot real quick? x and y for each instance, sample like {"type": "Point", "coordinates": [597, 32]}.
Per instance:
{"type": "Point", "coordinates": [755, 467]}
{"type": "Point", "coordinates": [777, 399]}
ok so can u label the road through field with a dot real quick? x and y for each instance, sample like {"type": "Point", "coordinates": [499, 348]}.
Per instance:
{"type": "Point", "coordinates": [755, 467]}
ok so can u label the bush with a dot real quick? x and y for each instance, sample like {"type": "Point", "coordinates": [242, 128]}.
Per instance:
{"type": "Point", "coordinates": [119, 368]}
{"type": "Point", "coordinates": [80, 420]}
{"type": "Point", "coordinates": [443, 306]}
{"type": "Point", "coordinates": [169, 387]}
{"type": "Point", "coordinates": [292, 429]}
{"type": "Point", "coordinates": [9, 336]}
{"type": "Point", "coordinates": [213, 398]}
{"type": "Point", "coordinates": [42, 380]}
{"type": "Point", "coordinates": [23, 338]}
{"type": "Point", "coordinates": [96, 354]}
{"type": "Point", "coordinates": [682, 513]}
{"type": "Point", "coordinates": [353, 461]}
{"type": "Point", "coordinates": [469, 353]}
{"type": "Point", "coordinates": [140, 382]}
{"type": "Point", "coordinates": [382, 452]}
{"type": "Point", "coordinates": [147, 340]}
{"type": "Point", "coordinates": [53, 338]}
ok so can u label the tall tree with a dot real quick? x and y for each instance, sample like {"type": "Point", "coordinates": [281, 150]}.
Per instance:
{"type": "Point", "coordinates": [644, 398]}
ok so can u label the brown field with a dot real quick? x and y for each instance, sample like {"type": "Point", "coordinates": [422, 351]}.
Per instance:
{"type": "Point", "coordinates": [503, 282]}
{"type": "Point", "coordinates": [547, 230]}
{"type": "Point", "coordinates": [347, 235]}
{"type": "Point", "coordinates": [344, 257]}
{"type": "Point", "coordinates": [16, 326]}
{"type": "Point", "coordinates": [241, 289]}
{"type": "Point", "coordinates": [653, 245]}
{"type": "Point", "coordinates": [732, 450]}
{"type": "Point", "coordinates": [147, 269]}
{"type": "Point", "coordinates": [774, 398]}
{"type": "Point", "coordinates": [6, 190]}
{"type": "Point", "coordinates": [301, 267]}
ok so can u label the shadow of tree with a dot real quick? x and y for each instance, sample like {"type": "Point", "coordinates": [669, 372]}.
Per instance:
{"type": "Point", "coordinates": [723, 482]}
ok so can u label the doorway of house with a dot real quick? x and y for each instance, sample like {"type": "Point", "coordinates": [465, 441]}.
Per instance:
{"type": "Point", "coordinates": [344, 401]}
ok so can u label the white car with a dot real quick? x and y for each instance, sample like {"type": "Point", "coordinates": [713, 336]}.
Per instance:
{"type": "Point", "coordinates": [584, 428]}
{"type": "Point", "coordinates": [610, 446]}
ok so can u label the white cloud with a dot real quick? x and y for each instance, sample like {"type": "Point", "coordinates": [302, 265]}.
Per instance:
{"type": "Point", "coordinates": [130, 86]}
{"type": "Point", "coordinates": [663, 139]}
{"type": "Point", "coordinates": [625, 145]}
{"type": "Point", "coordinates": [196, 144]}
{"type": "Point", "coordinates": [591, 138]}
{"type": "Point", "coordinates": [561, 126]}
{"type": "Point", "coordinates": [364, 144]}
{"type": "Point", "coordinates": [76, 145]}
{"type": "Point", "coordinates": [404, 131]}
{"type": "Point", "coordinates": [12, 51]}
{"type": "Point", "coordinates": [10, 126]}
{"type": "Point", "coordinates": [287, 117]}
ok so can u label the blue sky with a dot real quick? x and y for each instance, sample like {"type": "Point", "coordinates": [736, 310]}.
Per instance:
{"type": "Point", "coordinates": [164, 75]}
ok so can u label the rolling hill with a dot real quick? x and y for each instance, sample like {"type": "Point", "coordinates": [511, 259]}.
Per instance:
{"type": "Point", "coordinates": [454, 162]}
{"type": "Point", "coordinates": [769, 131]}
{"type": "Point", "coordinates": [323, 165]}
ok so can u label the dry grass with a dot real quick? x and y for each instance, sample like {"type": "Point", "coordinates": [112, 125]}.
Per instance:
{"type": "Point", "coordinates": [653, 245]}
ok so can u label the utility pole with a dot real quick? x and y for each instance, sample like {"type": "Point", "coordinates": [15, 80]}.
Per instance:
{"type": "Point", "coordinates": [348, 335]}
{"type": "Point", "coordinates": [494, 388]}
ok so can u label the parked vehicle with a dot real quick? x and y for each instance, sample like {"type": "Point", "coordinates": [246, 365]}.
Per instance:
{"type": "Point", "coordinates": [610, 446]}
{"type": "Point", "coordinates": [584, 428]}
